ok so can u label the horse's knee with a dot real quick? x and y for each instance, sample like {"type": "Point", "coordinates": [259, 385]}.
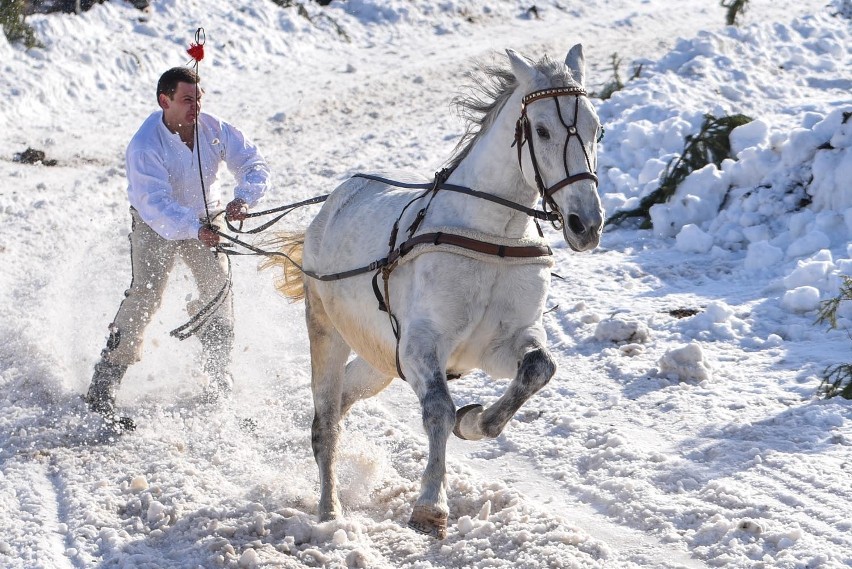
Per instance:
{"type": "Point", "coordinates": [534, 371]}
{"type": "Point", "coordinates": [439, 411]}
{"type": "Point", "coordinates": [536, 368]}
{"type": "Point", "coordinates": [318, 434]}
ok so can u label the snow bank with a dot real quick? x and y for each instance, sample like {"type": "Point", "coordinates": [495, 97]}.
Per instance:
{"type": "Point", "coordinates": [786, 196]}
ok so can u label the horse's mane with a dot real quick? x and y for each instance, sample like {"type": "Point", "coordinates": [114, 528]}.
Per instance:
{"type": "Point", "coordinates": [489, 89]}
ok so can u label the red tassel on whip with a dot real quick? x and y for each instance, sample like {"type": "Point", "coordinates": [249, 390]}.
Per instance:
{"type": "Point", "coordinates": [196, 51]}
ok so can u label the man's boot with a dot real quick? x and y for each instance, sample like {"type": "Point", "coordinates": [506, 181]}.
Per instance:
{"type": "Point", "coordinates": [217, 341]}
{"type": "Point", "coordinates": [101, 394]}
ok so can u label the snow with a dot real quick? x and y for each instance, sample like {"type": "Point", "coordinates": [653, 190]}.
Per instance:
{"type": "Point", "coordinates": [682, 428]}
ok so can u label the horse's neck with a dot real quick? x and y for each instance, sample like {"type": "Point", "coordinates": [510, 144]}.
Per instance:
{"type": "Point", "coordinates": [491, 166]}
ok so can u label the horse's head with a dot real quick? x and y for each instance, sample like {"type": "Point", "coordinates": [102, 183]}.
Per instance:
{"type": "Point", "coordinates": [560, 129]}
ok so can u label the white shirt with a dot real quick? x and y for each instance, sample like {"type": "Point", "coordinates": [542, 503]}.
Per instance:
{"type": "Point", "coordinates": [162, 173]}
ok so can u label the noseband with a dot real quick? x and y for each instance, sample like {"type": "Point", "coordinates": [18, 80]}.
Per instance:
{"type": "Point", "coordinates": [523, 134]}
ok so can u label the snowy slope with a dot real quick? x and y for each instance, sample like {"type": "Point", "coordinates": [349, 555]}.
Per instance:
{"type": "Point", "coordinates": [662, 441]}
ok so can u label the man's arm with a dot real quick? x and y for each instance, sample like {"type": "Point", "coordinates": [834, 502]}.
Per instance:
{"type": "Point", "coordinates": [248, 167]}
{"type": "Point", "coordinates": [151, 194]}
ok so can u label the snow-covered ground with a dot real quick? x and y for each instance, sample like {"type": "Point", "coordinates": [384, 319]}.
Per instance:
{"type": "Point", "coordinates": [664, 440]}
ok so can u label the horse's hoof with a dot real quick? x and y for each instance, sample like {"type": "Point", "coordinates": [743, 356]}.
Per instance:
{"type": "Point", "coordinates": [467, 423]}
{"type": "Point", "coordinates": [429, 520]}
{"type": "Point", "coordinates": [329, 514]}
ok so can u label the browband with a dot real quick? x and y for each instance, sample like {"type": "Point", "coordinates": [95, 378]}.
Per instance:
{"type": "Point", "coordinates": [554, 92]}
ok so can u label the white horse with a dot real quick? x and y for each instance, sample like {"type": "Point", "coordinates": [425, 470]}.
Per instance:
{"type": "Point", "coordinates": [465, 276]}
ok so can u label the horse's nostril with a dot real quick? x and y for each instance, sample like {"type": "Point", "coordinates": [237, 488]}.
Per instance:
{"type": "Point", "coordinates": [575, 225]}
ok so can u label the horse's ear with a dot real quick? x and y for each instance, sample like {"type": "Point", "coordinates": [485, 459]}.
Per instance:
{"type": "Point", "coordinates": [524, 72]}
{"type": "Point", "coordinates": [576, 63]}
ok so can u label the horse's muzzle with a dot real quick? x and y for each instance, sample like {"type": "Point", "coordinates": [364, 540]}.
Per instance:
{"type": "Point", "coordinates": [582, 235]}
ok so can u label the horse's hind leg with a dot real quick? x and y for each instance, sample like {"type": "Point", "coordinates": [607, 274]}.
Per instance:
{"type": "Point", "coordinates": [361, 382]}
{"type": "Point", "coordinates": [534, 371]}
{"type": "Point", "coordinates": [328, 356]}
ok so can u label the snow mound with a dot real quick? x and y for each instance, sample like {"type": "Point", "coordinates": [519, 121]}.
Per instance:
{"type": "Point", "coordinates": [685, 363]}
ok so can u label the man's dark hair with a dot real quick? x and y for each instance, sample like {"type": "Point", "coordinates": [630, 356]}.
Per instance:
{"type": "Point", "coordinates": [167, 85]}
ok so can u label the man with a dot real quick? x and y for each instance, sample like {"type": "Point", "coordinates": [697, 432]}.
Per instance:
{"type": "Point", "coordinates": [169, 222]}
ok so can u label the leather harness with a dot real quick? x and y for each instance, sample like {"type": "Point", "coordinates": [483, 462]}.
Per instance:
{"type": "Point", "coordinates": [386, 265]}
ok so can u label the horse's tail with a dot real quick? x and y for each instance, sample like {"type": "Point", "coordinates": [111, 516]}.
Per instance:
{"type": "Point", "coordinates": [291, 283]}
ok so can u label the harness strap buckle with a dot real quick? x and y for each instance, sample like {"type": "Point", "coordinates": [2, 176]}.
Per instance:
{"type": "Point", "coordinates": [377, 291]}
{"type": "Point", "coordinates": [394, 231]}
{"type": "Point", "coordinates": [416, 223]}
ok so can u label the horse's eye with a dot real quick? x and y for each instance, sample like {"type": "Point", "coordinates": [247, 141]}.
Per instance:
{"type": "Point", "coordinates": [542, 133]}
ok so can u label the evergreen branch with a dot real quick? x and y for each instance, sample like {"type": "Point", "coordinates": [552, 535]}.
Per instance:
{"type": "Point", "coordinates": [837, 381]}
{"type": "Point", "coordinates": [711, 145]}
{"type": "Point", "coordinates": [616, 84]}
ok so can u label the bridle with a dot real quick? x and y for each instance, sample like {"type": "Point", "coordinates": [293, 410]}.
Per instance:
{"type": "Point", "coordinates": [523, 134]}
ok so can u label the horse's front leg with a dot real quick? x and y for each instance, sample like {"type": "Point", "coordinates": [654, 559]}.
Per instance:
{"type": "Point", "coordinates": [424, 371]}
{"type": "Point", "coordinates": [535, 369]}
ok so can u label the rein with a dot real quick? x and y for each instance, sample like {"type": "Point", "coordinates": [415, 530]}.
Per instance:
{"type": "Point", "coordinates": [534, 213]}
{"type": "Point", "coordinates": [523, 134]}
{"type": "Point", "coordinates": [395, 253]}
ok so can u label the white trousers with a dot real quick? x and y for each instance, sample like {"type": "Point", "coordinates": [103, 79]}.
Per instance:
{"type": "Point", "coordinates": [152, 258]}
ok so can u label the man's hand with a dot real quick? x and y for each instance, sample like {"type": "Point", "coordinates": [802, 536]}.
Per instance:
{"type": "Point", "coordinates": [207, 235]}
{"type": "Point", "coordinates": [236, 210]}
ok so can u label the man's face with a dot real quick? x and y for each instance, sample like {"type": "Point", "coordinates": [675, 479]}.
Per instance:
{"type": "Point", "coordinates": [182, 108]}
